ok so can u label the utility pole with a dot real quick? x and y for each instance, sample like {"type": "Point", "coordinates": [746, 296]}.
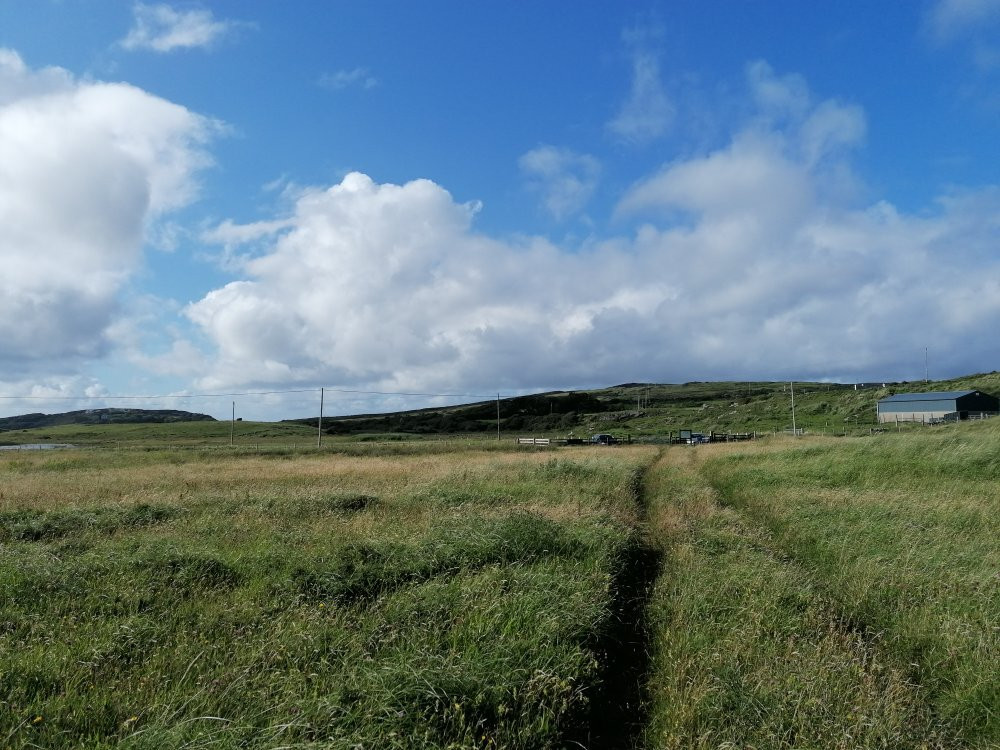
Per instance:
{"type": "Point", "coordinates": [498, 417]}
{"type": "Point", "coordinates": [792, 387]}
{"type": "Point", "coordinates": [232, 426]}
{"type": "Point", "coordinates": [319, 425]}
{"type": "Point", "coordinates": [926, 378]}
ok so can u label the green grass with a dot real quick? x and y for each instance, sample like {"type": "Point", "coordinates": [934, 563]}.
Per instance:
{"type": "Point", "coordinates": [844, 590]}
{"type": "Point", "coordinates": [904, 535]}
{"type": "Point", "coordinates": [749, 651]}
{"type": "Point", "coordinates": [190, 599]}
{"type": "Point", "coordinates": [813, 593]}
{"type": "Point", "coordinates": [188, 434]}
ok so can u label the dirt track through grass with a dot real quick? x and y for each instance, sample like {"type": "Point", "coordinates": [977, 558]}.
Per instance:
{"type": "Point", "coordinates": [778, 595]}
{"type": "Point", "coordinates": [618, 713]}
{"type": "Point", "coordinates": [903, 535]}
{"type": "Point", "coordinates": [750, 651]}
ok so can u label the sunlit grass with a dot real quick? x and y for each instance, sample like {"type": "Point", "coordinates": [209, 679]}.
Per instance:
{"type": "Point", "coordinates": [749, 652]}
{"type": "Point", "coordinates": [815, 593]}
{"type": "Point", "coordinates": [184, 599]}
{"type": "Point", "coordinates": [899, 533]}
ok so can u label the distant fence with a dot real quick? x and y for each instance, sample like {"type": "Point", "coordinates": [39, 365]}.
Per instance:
{"type": "Point", "coordinates": [601, 439]}
{"type": "Point", "coordinates": [533, 441]}
{"type": "Point", "coordinates": [731, 437]}
{"type": "Point", "coordinates": [687, 437]}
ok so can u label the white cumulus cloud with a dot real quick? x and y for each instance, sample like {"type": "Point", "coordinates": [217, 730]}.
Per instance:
{"type": "Point", "coordinates": [85, 170]}
{"type": "Point", "coordinates": [389, 284]}
{"type": "Point", "coordinates": [750, 260]}
{"type": "Point", "coordinates": [162, 28]}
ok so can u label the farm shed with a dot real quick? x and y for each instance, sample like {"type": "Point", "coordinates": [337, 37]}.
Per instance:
{"type": "Point", "coordinates": [935, 406]}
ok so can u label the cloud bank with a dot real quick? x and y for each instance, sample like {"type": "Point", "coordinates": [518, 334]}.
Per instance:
{"type": "Point", "coordinates": [86, 169]}
{"type": "Point", "coordinates": [758, 259]}
{"type": "Point", "coordinates": [762, 257]}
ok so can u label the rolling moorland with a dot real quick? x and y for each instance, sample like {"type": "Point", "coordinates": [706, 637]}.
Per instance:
{"type": "Point", "coordinates": [100, 416]}
{"type": "Point", "coordinates": [655, 409]}
{"type": "Point", "coordinates": [822, 591]}
{"type": "Point", "coordinates": [641, 410]}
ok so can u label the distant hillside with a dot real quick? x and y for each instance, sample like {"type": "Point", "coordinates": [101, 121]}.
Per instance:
{"type": "Point", "coordinates": [101, 416]}
{"type": "Point", "coordinates": [657, 409]}
{"type": "Point", "coordinates": [544, 411]}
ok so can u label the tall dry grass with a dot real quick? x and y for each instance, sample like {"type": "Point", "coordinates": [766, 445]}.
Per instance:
{"type": "Point", "coordinates": [184, 599]}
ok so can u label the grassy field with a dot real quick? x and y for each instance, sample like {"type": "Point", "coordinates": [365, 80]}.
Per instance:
{"type": "Point", "coordinates": [811, 593]}
{"type": "Point", "coordinates": [464, 599]}
{"type": "Point", "coordinates": [176, 434]}
{"type": "Point", "coordinates": [829, 593]}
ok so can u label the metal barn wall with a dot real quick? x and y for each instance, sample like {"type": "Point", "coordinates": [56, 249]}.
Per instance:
{"type": "Point", "coordinates": [914, 415]}
{"type": "Point", "coordinates": [939, 405]}
{"type": "Point", "coordinates": [978, 402]}
{"type": "Point", "coordinates": [919, 409]}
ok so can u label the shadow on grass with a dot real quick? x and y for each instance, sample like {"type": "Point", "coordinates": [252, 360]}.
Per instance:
{"type": "Point", "coordinates": [618, 709]}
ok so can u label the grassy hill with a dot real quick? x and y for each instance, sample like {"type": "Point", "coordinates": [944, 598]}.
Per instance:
{"type": "Point", "coordinates": [657, 409]}
{"type": "Point", "coordinates": [193, 434]}
{"type": "Point", "coordinates": [639, 409]}
{"type": "Point", "coordinates": [101, 416]}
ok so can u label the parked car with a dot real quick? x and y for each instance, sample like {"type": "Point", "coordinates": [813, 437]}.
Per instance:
{"type": "Point", "coordinates": [603, 438]}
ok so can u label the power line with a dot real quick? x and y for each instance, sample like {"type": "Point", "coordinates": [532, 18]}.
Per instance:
{"type": "Point", "coordinates": [160, 396]}
{"type": "Point", "coordinates": [405, 393]}
{"type": "Point", "coordinates": [244, 393]}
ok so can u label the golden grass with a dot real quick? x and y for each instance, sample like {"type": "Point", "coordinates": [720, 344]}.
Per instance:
{"type": "Point", "coordinates": [224, 477]}
{"type": "Point", "coordinates": [320, 600]}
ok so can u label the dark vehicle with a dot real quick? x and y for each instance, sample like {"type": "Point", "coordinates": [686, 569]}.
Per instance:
{"type": "Point", "coordinates": [603, 438]}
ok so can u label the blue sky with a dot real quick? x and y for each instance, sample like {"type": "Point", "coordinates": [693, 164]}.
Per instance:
{"type": "Point", "coordinates": [472, 198]}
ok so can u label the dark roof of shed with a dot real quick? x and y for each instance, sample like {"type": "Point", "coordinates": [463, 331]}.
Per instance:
{"type": "Point", "coordinates": [928, 396]}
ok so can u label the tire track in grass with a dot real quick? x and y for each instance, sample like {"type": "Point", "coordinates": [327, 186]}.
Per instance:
{"type": "Point", "coordinates": [747, 650]}
{"type": "Point", "coordinates": [900, 534]}
{"type": "Point", "coordinates": [618, 713]}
